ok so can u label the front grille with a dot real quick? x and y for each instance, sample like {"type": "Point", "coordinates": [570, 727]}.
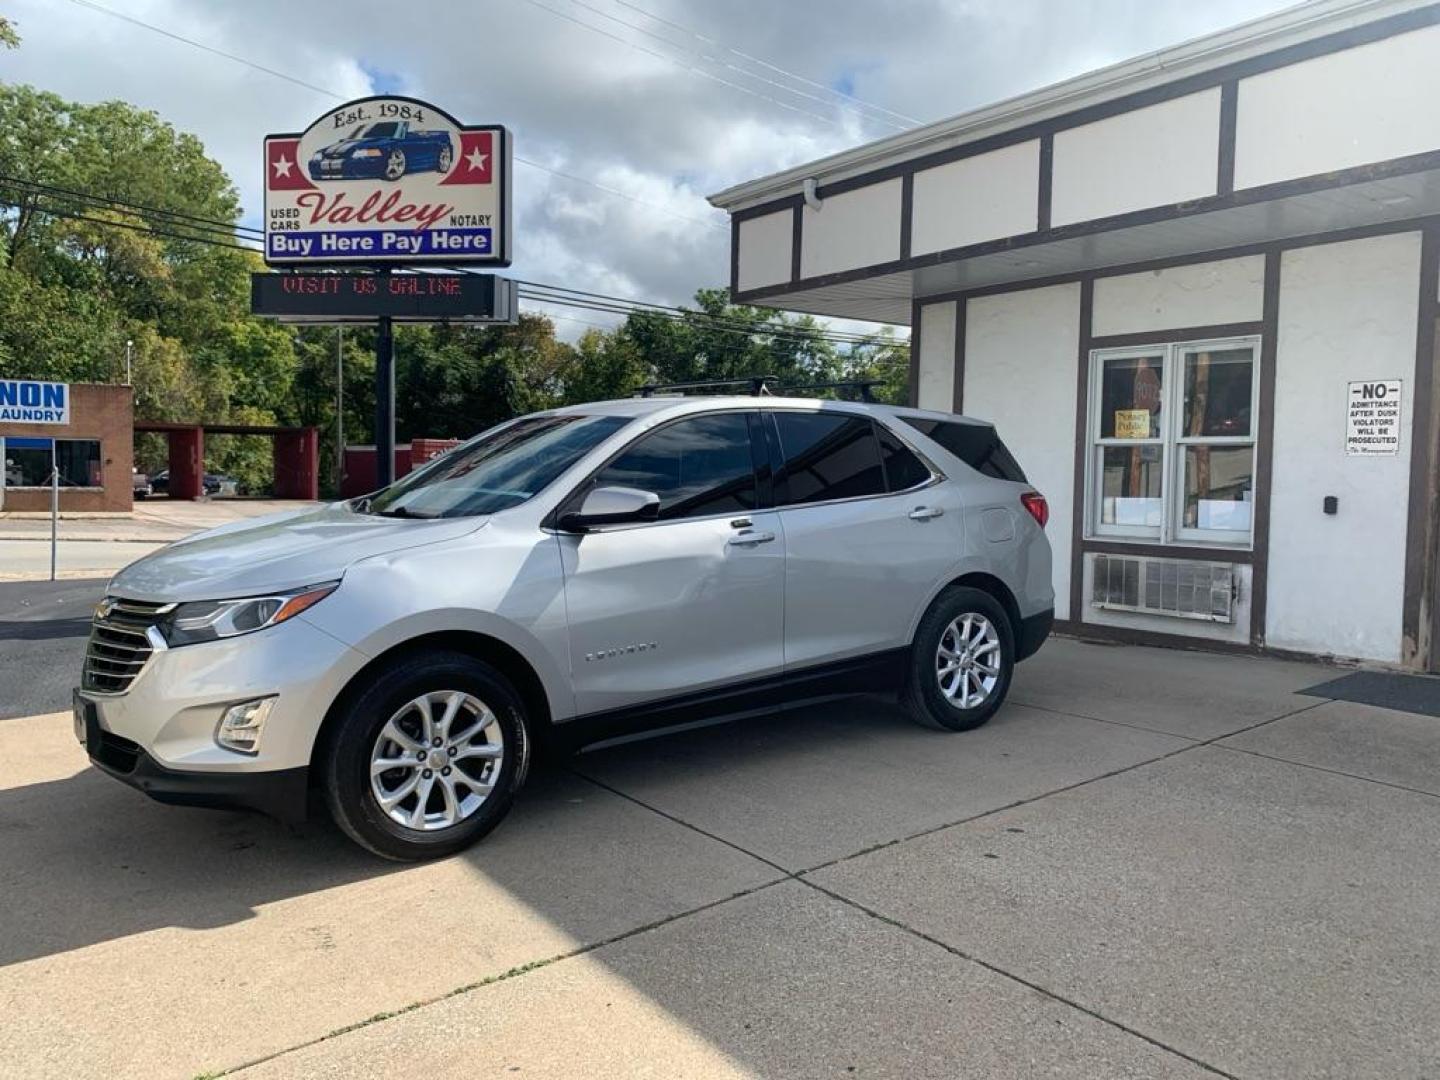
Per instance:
{"type": "Point", "coordinates": [119, 645]}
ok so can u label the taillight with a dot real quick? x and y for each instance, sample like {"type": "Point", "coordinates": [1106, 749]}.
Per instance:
{"type": "Point", "coordinates": [1038, 507]}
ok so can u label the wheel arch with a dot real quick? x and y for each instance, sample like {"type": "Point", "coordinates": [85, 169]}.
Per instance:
{"type": "Point", "coordinates": [491, 650]}
{"type": "Point", "coordinates": [986, 583]}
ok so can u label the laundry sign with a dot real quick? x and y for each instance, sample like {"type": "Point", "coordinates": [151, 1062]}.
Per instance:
{"type": "Point", "coordinates": [28, 402]}
{"type": "Point", "coordinates": [1372, 418]}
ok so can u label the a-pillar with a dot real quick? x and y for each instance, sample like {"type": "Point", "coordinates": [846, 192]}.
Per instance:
{"type": "Point", "coordinates": [187, 463]}
{"type": "Point", "coordinates": [297, 464]}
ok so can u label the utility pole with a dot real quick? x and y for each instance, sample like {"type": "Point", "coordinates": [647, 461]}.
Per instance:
{"type": "Point", "coordinates": [384, 395]}
{"type": "Point", "coordinates": [129, 347]}
{"type": "Point", "coordinates": [339, 407]}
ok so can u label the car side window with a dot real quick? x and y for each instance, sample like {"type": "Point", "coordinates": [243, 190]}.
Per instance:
{"type": "Point", "coordinates": [978, 445]}
{"type": "Point", "coordinates": [698, 466]}
{"type": "Point", "coordinates": [903, 469]}
{"type": "Point", "coordinates": [827, 456]}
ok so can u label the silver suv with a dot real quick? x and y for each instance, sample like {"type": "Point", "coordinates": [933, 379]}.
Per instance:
{"type": "Point", "coordinates": [563, 579]}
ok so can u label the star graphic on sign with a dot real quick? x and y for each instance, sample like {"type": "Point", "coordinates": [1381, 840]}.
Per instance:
{"type": "Point", "coordinates": [282, 166]}
{"type": "Point", "coordinates": [476, 159]}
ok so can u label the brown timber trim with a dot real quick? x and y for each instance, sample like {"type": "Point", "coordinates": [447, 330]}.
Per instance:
{"type": "Point", "coordinates": [1225, 174]}
{"type": "Point", "coordinates": [1338, 41]}
{"type": "Point", "coordinates": [1047, 181]}
{"type": "Point", "coordinates": [797, 237]}
{"type": "Point", "coordinates": [1197, 553]}
{"type": "Point", "coordinates": [1266, 193]}
{"type": "Point", "coordinates": [734, 256]}
{"type": "Point", "coordinates": [1265, 448]}
{"type": "Point", "coordinates": [957, 393]}
{"type": "Point", "coordinates": [913, 397]}
{"type": "Point", "coordinates": [1179, 334]}
{"type": "Point", "coordinates": [907, 212]}
{"type": "Point", "coordinates": [1082, 450]}
{"type": "Point", "coordinates": [1420, 621]}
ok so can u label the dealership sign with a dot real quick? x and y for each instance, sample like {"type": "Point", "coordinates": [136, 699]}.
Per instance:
{"type": "Point", "coordinates": [25, 402]}
{"type": "Point", "coordinates": [388, 181]}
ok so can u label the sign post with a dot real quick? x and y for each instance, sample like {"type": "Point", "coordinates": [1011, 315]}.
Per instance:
{"type": "Point", "coordinates": [384, 183]}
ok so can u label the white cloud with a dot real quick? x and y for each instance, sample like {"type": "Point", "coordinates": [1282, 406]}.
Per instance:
{"type": "Point", "coordinates": [582, 103]}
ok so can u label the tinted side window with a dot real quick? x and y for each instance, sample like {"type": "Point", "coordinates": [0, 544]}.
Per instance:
{"type": "Point", "coordinates": [827, 456]}
{"type": "Point", "coordinates": [697, 466]}
{"type": "Point", "coordinates": [978, 445]}
{"type": "Point", "coordinates": [903, 470]}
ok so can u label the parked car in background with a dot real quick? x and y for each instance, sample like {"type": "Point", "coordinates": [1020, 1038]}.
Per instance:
{"type": "Point", "coordinates": [386, 150]}
{"type": "Point", "coordinates": [562, 579]}
{"type": "Point", "coordinates": [210, 484]}
{"type": "Point", "coordinates": [140, 485]}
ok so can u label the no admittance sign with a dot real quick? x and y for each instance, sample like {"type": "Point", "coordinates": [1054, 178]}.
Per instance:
{"type": "Point", "coordinates": [1372, 418]}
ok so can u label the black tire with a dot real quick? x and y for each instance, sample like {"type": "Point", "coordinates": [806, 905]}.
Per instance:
{"type": "Point", "coordinates": [923, 697]}
{"type": "Point", "coordinates": [345, 761]}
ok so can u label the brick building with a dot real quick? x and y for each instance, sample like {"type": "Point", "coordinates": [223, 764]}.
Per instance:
{"type": "Point", "coordinates": [91, 440]}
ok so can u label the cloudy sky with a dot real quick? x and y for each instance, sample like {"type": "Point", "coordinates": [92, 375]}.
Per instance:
{"type": "Point", "coordinates": [661, 101]}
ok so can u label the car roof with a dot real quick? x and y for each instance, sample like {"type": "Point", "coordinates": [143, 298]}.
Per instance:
{"type": "Point", "coordinates": [675, 405]}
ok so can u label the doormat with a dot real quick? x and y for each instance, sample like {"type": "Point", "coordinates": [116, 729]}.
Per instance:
{"type": "Point", "coordinates": [1406, 693]}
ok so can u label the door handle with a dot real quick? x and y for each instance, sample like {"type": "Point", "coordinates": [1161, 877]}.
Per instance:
{"type": "Point", "coordinates": [924, 513]}
{"type": "Point", "coordinates": [750, 539]}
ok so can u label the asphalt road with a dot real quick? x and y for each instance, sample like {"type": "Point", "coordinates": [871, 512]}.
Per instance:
{"type": "Point", "coordinates": [43, 627]}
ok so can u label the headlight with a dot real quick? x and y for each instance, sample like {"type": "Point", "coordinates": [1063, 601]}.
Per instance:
{"type": "Point", "coordinates": [210, 620]}
{"type": "Point", "coordinates": [368, 153]}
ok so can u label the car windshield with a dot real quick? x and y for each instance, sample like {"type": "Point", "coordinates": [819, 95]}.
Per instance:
{"type": "Point", "coordinates": [382, 131]}
{"type": "Point", "coordinates": [500, 469]}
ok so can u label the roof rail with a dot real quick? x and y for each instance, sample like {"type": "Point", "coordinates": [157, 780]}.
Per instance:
{"type": "Point", "coordinates": [762, 386]}
{"type": "Point", "coordinates": [864, 386]}
{"type": "Point", "coordinates": [758, 385]}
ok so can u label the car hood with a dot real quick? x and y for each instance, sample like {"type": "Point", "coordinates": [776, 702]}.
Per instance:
{"type": "Point", "coordinates": [340, 149]}
{"type": "Point", "coordinates": [275, 553]}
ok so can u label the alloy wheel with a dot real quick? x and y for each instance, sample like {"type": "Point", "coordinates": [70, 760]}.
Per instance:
{"type": "Point", "coordinates": [436, 760]}
{"type": "Point", "coordinates": [967, 661]}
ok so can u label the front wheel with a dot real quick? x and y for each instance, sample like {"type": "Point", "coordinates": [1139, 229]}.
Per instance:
{"type": "Point", "coordinates": [427, 758]}
{"type": "Point", "coordinates": [961, 661]}
{"type": "Point", "coordinates": [395, 165]}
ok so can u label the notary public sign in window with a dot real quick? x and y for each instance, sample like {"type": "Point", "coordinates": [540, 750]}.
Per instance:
{"type": "Point", "coordinates": [388, 180]}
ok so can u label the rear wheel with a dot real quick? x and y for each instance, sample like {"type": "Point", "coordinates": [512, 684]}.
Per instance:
{"type": "Point", "coordinates": [443, 162]}
{"type": "Point", "coordinates": [961, 661]}
{"type": "Point", "coordinates": [427, 758]}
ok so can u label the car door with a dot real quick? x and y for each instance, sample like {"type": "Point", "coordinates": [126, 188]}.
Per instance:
{"type": "Point", "coordinates": [870, 529]}
{"type": "Point", "coordinates": [694, 599]}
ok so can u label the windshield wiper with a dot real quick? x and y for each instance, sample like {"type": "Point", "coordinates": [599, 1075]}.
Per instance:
{"type": "Point", "coordinates": [402, 512]}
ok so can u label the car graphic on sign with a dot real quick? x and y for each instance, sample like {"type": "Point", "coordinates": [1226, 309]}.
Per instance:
{"type": "Point", "coordinates": [388, 150]}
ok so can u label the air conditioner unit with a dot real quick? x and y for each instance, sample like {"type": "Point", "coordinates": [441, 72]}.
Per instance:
{"type": "Point", "coordinates": [1181, 588]}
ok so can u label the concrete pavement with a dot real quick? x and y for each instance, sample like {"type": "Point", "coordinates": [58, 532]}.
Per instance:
{"type": "Point", "coordinates": [1204, 874]}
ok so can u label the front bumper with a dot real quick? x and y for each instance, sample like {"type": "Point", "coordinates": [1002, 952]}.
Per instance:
{"type": "Point", "coordinates": [282, 794]}
{"type": "Point", "coordinates": [159, 735]}
{"type": "Point", "coordinates": [369, 168]}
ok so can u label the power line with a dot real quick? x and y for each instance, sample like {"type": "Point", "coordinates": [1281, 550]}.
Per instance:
{"type": "Point", "coordinates": [711, 224]}
{"type": "Point", "coordinates": [169, 217]}
{"type": "Point", "coordinates": [909, 120]}
{"type": "Point", "coordinates": [719, 63]}
{"type": "Point", "coordinates": [676, 63]}
{"type": "Point", "coordinates": [553, 294]}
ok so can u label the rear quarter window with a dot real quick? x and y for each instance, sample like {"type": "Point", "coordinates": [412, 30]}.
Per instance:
{"type": "Point", "coordinates": [978, 445]}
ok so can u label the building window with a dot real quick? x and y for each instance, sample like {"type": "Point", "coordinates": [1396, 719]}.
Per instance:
{"type": "Point", "coordinates": [1172, 442]}
{"type": "Point", "coordinates": [28, 462]}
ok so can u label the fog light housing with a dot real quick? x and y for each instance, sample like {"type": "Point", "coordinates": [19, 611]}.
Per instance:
{"type": "Point", "coordinates": [243, 724]}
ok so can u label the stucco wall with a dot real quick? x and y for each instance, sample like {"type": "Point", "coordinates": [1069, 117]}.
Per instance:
{"type": "Point", "coordinates": [936, 388]}
{"type": "Point", "coordinates": [765, 246]}
{"type": "Point", "coordinates": [856, 228]}
{"type": "Point", "coordinates": [977, 198]}
{"type": "Point", "coordinates": [1198, 294]}
{"type": "Point", "coordinates": [1021, 351]}
{"type": "Point", "coordinates": [1347, 312]}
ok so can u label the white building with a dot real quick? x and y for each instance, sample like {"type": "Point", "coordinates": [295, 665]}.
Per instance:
{"type": "Point", "coordinates": [1189, 289]}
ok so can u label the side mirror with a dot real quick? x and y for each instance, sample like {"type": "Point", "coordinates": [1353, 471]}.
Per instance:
{"type": "Point", "coordinates": [612, 506]}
